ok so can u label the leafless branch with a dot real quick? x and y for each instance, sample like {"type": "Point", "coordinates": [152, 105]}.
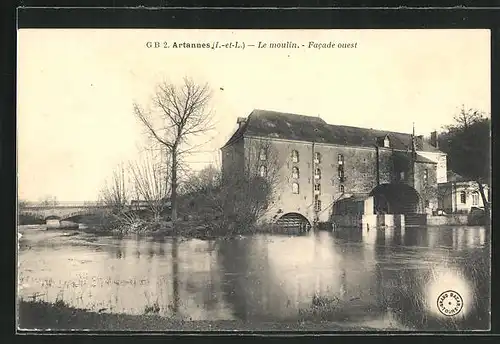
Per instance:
{"type": "Point", "coordinates": [178, 113]}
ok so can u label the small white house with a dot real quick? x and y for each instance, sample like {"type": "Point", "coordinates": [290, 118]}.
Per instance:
{"type": "Point", "coordinates": [459, 195]}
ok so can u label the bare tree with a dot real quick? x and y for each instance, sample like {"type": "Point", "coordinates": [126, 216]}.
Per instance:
{"type": "Point", "coordinates": [177, 113]}
{"type": "Point", "coordinates": [429, 196]}
{"type": "Point", "coordinates": [48, 201]}
{"type": "Point", "coordinates": [246, 197]}
{"type": "Point", "coordinates": [208, 177]}
{"type": "Point", "coordinates": [262, 168]}
{"type": "Point", "coordinates": [465, 118]}
{"type": "Point", "coordinates": [116, 193]}
{"type": "Point", "coordinates": [150, 182]}
{"type": "Point", "coordinates": [22, 203]}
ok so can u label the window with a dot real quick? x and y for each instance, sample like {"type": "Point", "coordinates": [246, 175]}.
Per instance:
{"type": "Point", "coordinates": [317, 188]}
{"type": "Point", "coordinates": [317, 174]}
{"type": "Point", "coordinates": [341, 173]}
{"type": "Point", "coordinates": [262, 155]}
{"type": "Point", "coordinates": [341, 188]}
{"type": "Point", "coordinates": [295, 172]}
{"type": "Point", "coordinates": [475, 198]}
{"type": "Point", "coordinates": [387, 143]}
{"type": "Point", "coordinates": [317, 158]}
{"type": "Point", "coordinates": [295, 188]}
{"type": "Point", "coordinates": [317, 203]}
{"type": "Point", "coordinates": [263, 171]}
{"type": "Point", "coordinates": [340, 161]}
{"type": "Point", "coordinates": [426, 176]}
{"type": "Point", "coordinates": [402, 175]}
{"type": "Point", "coordinates": [463, 197]}
{"type": "Point", "coordinates": [295, 156]}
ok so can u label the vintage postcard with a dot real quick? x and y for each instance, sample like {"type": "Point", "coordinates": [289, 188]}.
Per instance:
{"type": "Point", "coordinates": [253, 180]}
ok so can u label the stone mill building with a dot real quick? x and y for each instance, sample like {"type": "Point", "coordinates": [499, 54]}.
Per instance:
{"type": "Point", "coordinates": [333, 173]}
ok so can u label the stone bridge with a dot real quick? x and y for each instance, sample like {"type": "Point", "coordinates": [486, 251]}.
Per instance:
{"type": "Point", "coordinates": [61, 211]}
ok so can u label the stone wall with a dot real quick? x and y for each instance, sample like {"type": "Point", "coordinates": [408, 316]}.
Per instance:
{"type": "Point", "coordinates": [359, 175]}
{"type": "Point", "coordinates": [448, 220]}
{"type": "Point", "coordinates": [369, 221]}
{"type": "Point", "coordinates": [285, 200]}
{"type": "Point", "coordinates": [233, 158]}
{"type": "Point", "coordinates": [441, 168]}
{"type": "Point", "coordinates": [388, 220]}
{"type": "Point", "coordinates": [348, 220]}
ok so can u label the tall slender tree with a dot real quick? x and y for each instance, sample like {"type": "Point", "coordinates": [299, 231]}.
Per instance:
{"type": "Point", "coordinates": [149, 181]}
{"type": "Point", "coordinates": [116, 193]}
{"type": "Point", "coordinates": [176, 114]}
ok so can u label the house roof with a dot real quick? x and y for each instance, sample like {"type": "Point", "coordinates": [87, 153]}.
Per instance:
{"type": "Point", "coordinates": [423, 159]}
{"type": "Point", "coordinates": [272, 124]}
{"type": "Point", "coordinates": [454, 177]}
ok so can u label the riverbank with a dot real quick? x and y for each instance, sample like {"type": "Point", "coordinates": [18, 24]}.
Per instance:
{"type": "Point", "coordinates": [46, 316]}
{"type": "Point", "coordinates": [32, 235]}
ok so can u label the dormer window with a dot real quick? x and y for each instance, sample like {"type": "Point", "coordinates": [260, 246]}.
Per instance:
{"type": "Point", "coordinates": [295, 156]}
{"type": "Point", "coordinates": [387, 143]}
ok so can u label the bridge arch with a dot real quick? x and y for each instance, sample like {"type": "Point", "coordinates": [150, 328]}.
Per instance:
{"type": "Point", "coordinates": [396, 199]}
{"type": "Point", "coordinates": [52, 217]}
{"type": "Point", "coordinates": [294, 220]}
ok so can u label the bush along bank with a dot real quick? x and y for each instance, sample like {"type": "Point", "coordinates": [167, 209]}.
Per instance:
{"type": "Point", "coordinates": [202, 227]}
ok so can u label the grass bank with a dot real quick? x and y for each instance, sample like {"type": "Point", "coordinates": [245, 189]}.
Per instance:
{"type": "Point", "coordinates": [46, 316]}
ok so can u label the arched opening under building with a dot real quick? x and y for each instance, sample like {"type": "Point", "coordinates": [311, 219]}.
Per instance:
{"type": "Point", "coordinates": [294, 221]}
{"type": "Point", "coordinates": [396, 199]}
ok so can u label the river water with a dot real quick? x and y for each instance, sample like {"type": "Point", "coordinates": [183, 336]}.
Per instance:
{"type": "Point", "coordinates": [384, 279]}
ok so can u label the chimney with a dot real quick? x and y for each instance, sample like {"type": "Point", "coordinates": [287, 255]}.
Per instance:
{"type": "Point", "coordinates": [434, 140]}
{"type": "Point", "coordinates": [241, 121]}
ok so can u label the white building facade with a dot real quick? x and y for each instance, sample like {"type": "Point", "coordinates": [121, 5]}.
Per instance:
{"type": "Point", "coordinates": [460, 196]}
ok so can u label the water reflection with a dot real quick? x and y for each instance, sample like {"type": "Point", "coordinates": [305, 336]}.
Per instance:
{"type": "Point", "coordinates": [394, 276]}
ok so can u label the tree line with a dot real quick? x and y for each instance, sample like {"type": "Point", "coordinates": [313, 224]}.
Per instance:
{"type": "Point", "coordinates": [467, 143]}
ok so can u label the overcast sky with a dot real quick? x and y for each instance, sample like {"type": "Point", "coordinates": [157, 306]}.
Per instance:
{"type": "Point", "coordinates": [76, 89]}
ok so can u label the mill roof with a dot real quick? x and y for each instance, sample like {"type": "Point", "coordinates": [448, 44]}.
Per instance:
{"type": "Point", "coordinates": [281, 125]}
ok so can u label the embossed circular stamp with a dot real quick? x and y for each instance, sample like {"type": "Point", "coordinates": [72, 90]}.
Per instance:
{"type": "Point", "coordinates": [450, 303]}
